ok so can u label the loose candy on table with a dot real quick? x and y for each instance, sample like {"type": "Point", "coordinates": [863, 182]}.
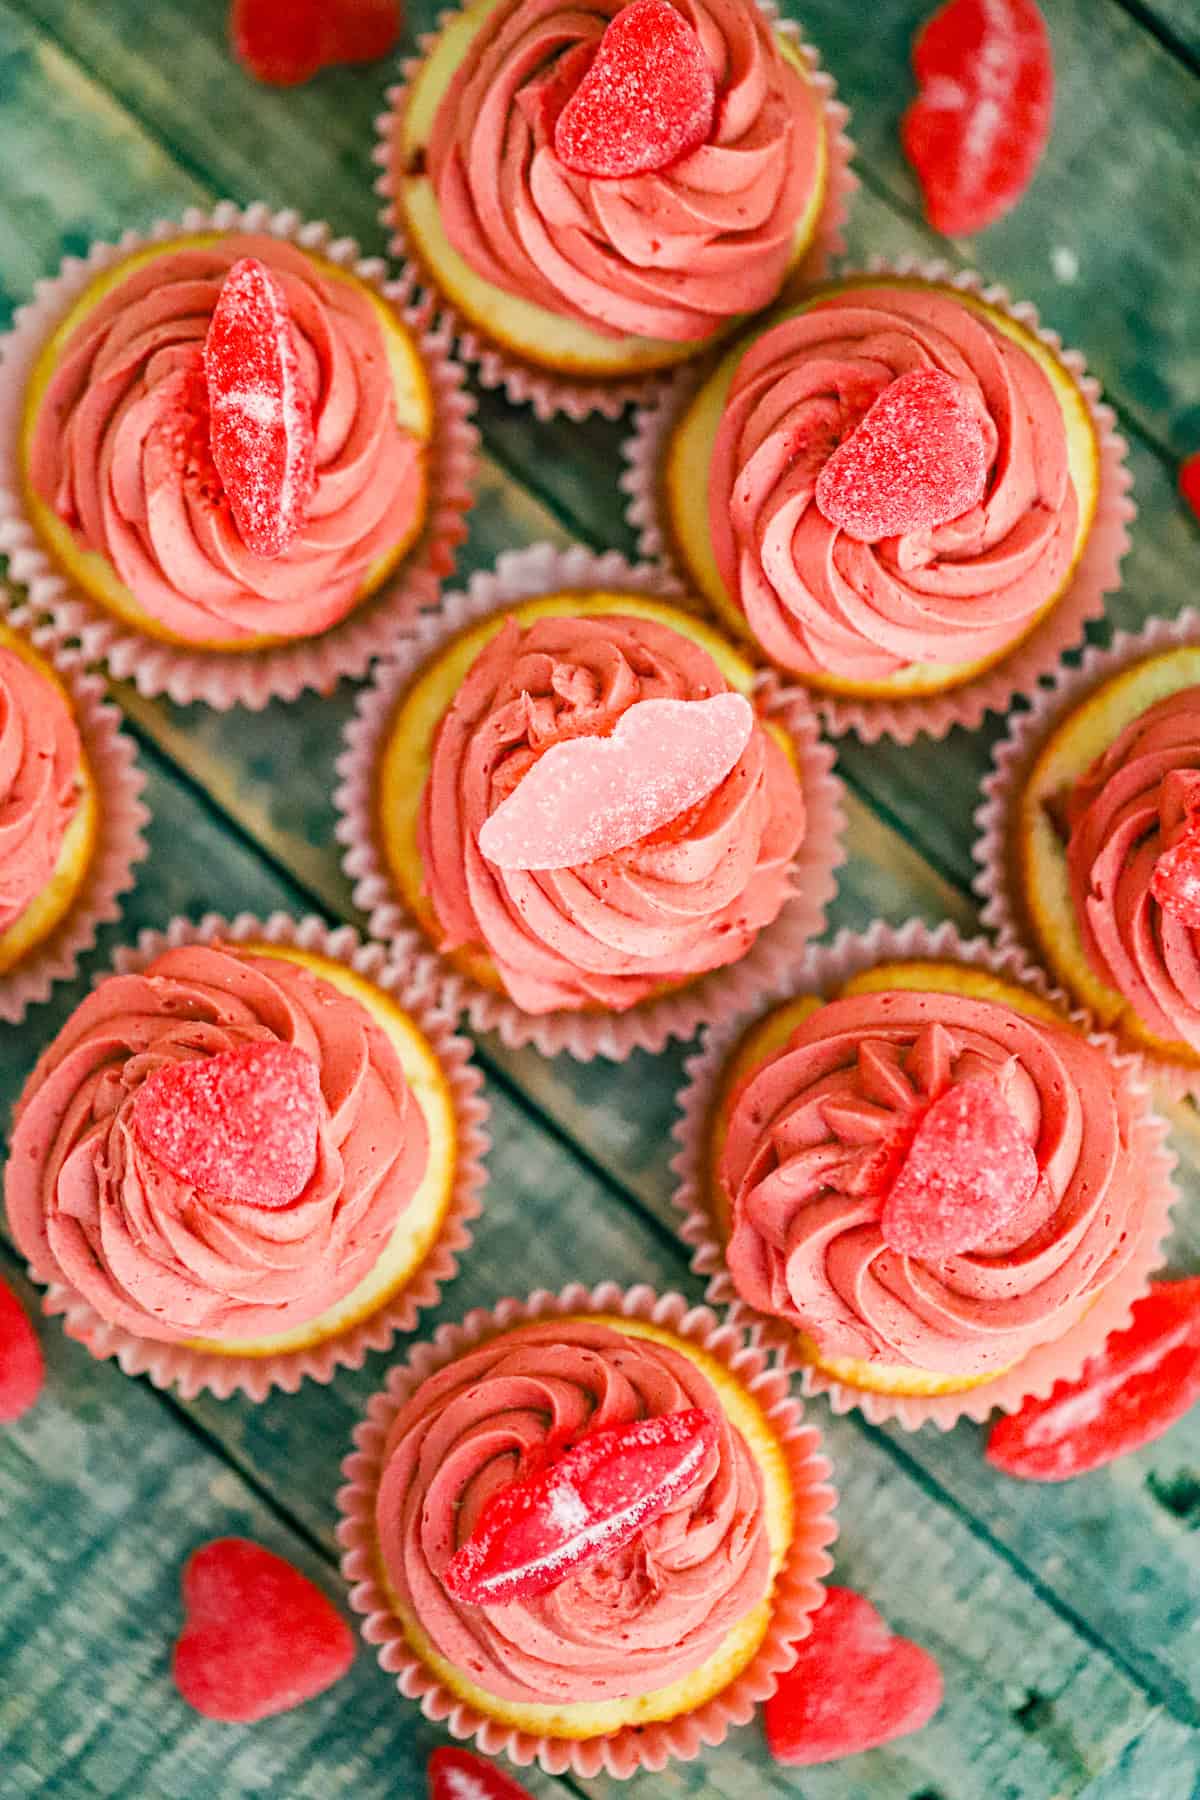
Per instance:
{"type": "Point", "coordinates": [646, 101]}
{"type": "Point", "coordinates": [456, 1774]}
{"type": "Point", "coordinates": [1189, 482]}
{"type": "Point", "coordinates": [22, 1369]}
{"type": "Point", "coordinates": [286, 42]}
{"type": "Point", "coordinates": [970, 1171]}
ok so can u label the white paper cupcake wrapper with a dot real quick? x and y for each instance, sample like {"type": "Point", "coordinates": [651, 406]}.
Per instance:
{"type": "Point", "coordinates": [252, 677]}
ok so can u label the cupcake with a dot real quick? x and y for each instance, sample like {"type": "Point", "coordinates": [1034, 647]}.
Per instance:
{"type": "Point", "coordinates": [1092, 843]}
{"type": "Point", "coordinates": [231, 446]}
{"type": "Point", "coordinates": [70, 817]}
{"type": "Point", "coordinates": [650, 1633]}
{"type": "Point", "coordinates": [913, 500]}
{"type": "Point", "coordinates": [580, 798]}
{"type": "Point", "coordinates": [242, 1162]}
{"type": "Point", "coordinates": [945, 1191]}
{"type": "Point", "coordinates": [600, 193]}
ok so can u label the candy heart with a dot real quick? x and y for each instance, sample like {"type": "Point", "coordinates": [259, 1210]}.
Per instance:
{"type": "Point", "coordinates": [1130, 1393]}
{"type": "Point", "coordinates": [918, 458]}
{"type": "Point", "coordinates": [241, 1126]}
{"type": "Point", "coordinates": [646, 101]}
{"type": "Point", "coordinates": [589, 1502]}
{"type": "Point", "coordinates": [969, 1172]}
{"type": "Point", "coordinates": [457, 1775]}
{"type": "Point", "coordinates": [22, 1370]}
{"type": "Point", "coordinates": [1175, 882]}
{"type": "Point", "coordinates": [259, 1639]}
{"type": "Point", "coordinates": [589, 797]}
{"type": "Point", "coordinates": [259, 408]}
{"type": "Point", "coordinates": [977, 130]}
{"type": "Point", "coordinates": [853, 1687]}
{"type": "Point", "coordinates": [1189, 482]}
{"type": "Point", "coordinates": [285, 42]}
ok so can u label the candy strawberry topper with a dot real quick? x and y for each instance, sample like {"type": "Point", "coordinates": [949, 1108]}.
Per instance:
{"type": "Point", "coordinates": [241, 1126]}
{"type": "Point", "coordinates": [917, 459]}
{"type": "Point", "coordinates": [1175, 882]}
{"type": "Point", "coordinates": [285, 42]}
{"type": "Point", "coordinates": [456, 1774]}
{"type": "Point", "coordinates": [260, 409]}
{"type": "Point", "coordinates": [589, 1502]}
{"type": "Point", "coordinates": [22, 1371]}
{"type": "Point", "coordinates": [969, 1174]}
{"type": "Point", "coordinates": [646, 101]}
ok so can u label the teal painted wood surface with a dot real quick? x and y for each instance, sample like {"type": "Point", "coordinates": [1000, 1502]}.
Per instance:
{"type": "Point", "coordinates": [1068, 1620]}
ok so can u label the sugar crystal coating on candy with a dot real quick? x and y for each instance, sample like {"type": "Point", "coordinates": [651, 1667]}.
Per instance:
{"type": "Point", "coordinates": [589, 1503]}
{"type": "Point", "coordinates": [260, 410]}
{"type": "Point", "coordinates": [286, 42]}
{"type": "Point", "coordinates": [259, 1637]}
{"type": "Point", "coordinates": [22, 1370]}
{"type": "Point", "coordinates": [589, 797]}
{"type": "Point", "coordinates": [853, 1686]}
{"type": "Point", "coordinates": [916, 460]}
{"type": "Point", "coordinates": [1175, 882]}
{"type": "Point", "coordinates": [646, 101]}
{"type": "Point", "coordinates": [1143, 1380]}
{"type": "Point", "coordinates": [456, 1774]}
{"type": "Point", "coordinates": [969, 1171]}
{"type": "Point", "coordinates": [241, 1126]}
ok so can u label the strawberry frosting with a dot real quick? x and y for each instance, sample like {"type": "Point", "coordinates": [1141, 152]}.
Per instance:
{"type": "Point", "coordinates": [626, 1623]}
{"type": "Point", "coordinates": [820, 602]}
{"type": "Point", "coordinates": [814, 1137]}
{"type": "Point", "coordinates": [671, 255]}
{"type": "Point", "coordinates": [121, 449]}
{"type": "Point", "coordinates": [40, 757]}
{"type": "Point", "coordinates": [690, 897]}
{"type": "Point", "coordinates": [91, 1208]}
{"type": "Point", "coordinates": [1122, 815]}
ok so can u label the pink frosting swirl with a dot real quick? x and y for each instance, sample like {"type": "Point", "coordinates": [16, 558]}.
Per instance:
{"type": "Point", "coordinates": [689, 898]}
{"type": "Point", "coordinates": [121, 449]}
{"type": "Point", "coordinates": [40, 757]}
{"type": "Point", "coordinates": [672, 255]}
{"type": "Point", "coordinates": [91, 1208]}
{"type": "Point", "coordinates": [1122, 815]}
{"type": "Point", "coordinates": [627, 1623]}
{"type": "Point", "coordinates": [818, 601]}
{"type": "Point", "coordinates": [811, 1138]}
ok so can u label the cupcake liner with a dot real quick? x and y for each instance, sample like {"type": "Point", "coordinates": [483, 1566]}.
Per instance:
{"type": "Point", "coordinates": [1097, 574]}
{"type": "Point", "coordinates": [119, 845]}
{"type": "Point", "coordinates": [797, 1592]}
{"type": "Point", "coordinates": [519, 575]}
{"type": "Point", "coordinates": [549, 394]}
{"type": "Point", "coordinates": [997, 880]}
{"type": "Point", "coordinates": [250, 678]}
{"type": "Point", "coordinates": [412, 984]}
{"type": "Point", "coordinates": [827, 968]}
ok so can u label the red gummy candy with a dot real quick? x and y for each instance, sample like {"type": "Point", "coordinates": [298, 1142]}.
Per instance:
{"type": "Point", "coordinates": [1189, 482]}
{"type": "Point", "coordinates": [977, 130]}
{"type": "Point", "coordinates": [457, 1775]}
{"type": "Point", "coordinates": [260, 409]}
{"type": "Point", "coordinates": [853, 1687]}
{"type": "Point", "coordinates": [1130, 1393]}
{"type": "Point", "coordinates": [918, 458]}
{"type": "Point", "coordinates": [589, 1503]}
{"type": "Point", "coordinates": [969, 1172]}
{"type": "Point", "coordinates": [646, 101]}
{"type": "Point", "coordinates": [22, 1370]}
{"type": "Point", "coordinates": [1175, 882]}
{"type": "Point", "coordinates": [241, 1126]}
{"type": "Point", "coordinates": [259, 1639]}
{"type": "Point", "coordinates": [286, 42]}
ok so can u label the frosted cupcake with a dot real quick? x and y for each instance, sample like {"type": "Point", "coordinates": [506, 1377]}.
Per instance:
{"type": "Point", "coordinates": [245, 1162]}
{"type": "Point", "coordinates": [646, 1634]}
{"type": "Point", "coordinates": [900, 491]}
{"type": "Point", "coordinates": [600, 193]}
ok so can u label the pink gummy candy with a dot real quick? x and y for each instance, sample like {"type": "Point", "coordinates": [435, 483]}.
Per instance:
{"type": "Point", "coordinates": [261, 411]}
{"type": "Point", "coordinates": [241, 1125]}
{"type": "Point", "coordinates": [22, 1370]}
{"type": "Point", "coordinates": [917, 459]}
{"type": "Point", "coordinates": [646, 101]}
{"type": "Point", "coordinates": [969, 1172]}
{"type": "Point", "coordinates": [590, 1502]}
{"type": "Point", "coordinates": [589, 797]}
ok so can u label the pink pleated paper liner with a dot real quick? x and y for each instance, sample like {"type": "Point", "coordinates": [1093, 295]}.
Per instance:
{"type": "Point", "coordinates": [251, 678]}
{"type": "Point", "coordinates": [550, 394]}
{"type": "Point", "coordinates": [412, 984]}
{"type": "Point", "coordinates": [797, 1593]}
{"type": "Point", "coordinates": [122, 818]}
{"type": "Point", "coordinates": [997, 882]}
{"type": "Point", "coordinates": [825, 970]}
{"type": "Point", "coordinates": [1098, 572]}
{"type": "Point", "coordinates": [519, 575]}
